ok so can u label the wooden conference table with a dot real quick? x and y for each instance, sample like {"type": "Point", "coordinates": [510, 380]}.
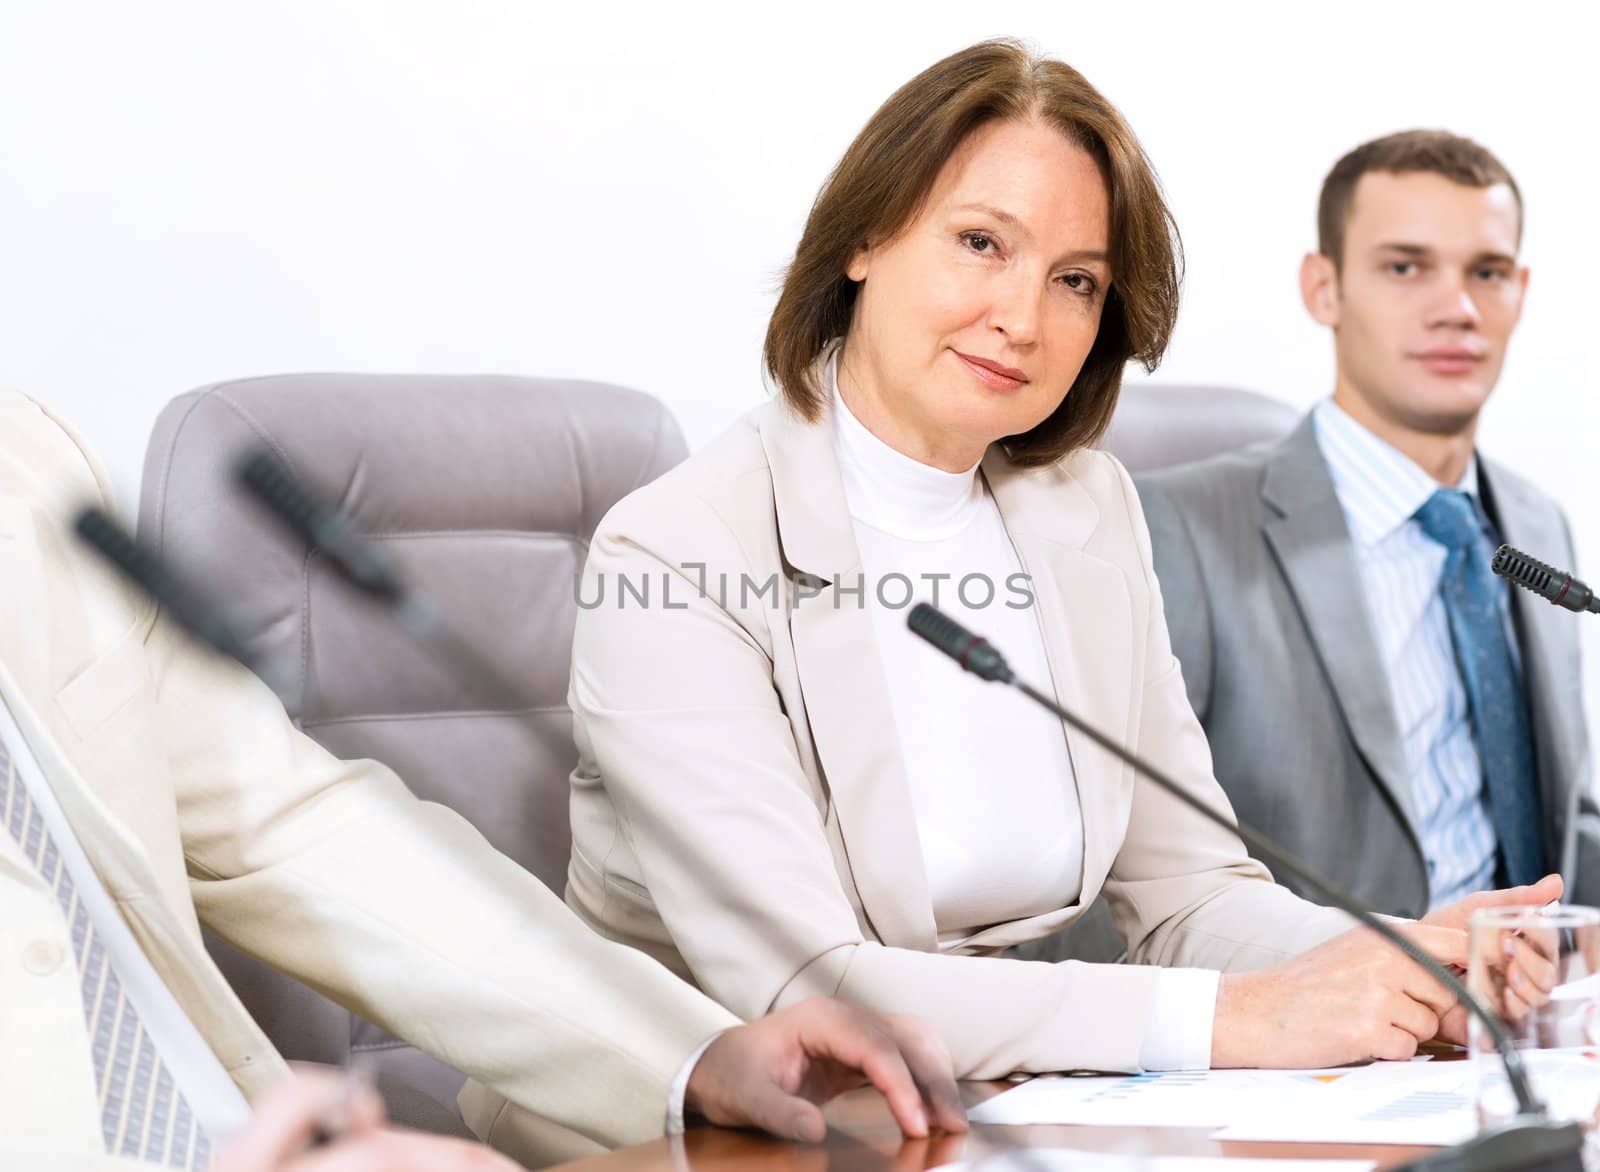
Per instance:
{"type": "Point", "coordinates": [863, 1138]}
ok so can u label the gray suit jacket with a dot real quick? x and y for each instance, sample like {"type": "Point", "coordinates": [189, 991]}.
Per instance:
{"type": "Point", "coordinates": [1268, 617]}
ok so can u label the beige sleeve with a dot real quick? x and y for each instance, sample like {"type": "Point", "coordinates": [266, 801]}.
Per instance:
{"type": "Point", "coordinates": [1183, 891]}
{"type": "Point", "coordinates": [335, 873]}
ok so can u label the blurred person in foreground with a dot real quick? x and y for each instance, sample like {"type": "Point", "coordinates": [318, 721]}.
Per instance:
{"type": "Point", "coordinates": [148, 787]}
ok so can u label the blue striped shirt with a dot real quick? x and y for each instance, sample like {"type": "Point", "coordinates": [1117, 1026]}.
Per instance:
{"type": "Point", "coordinates": [1380, 488]}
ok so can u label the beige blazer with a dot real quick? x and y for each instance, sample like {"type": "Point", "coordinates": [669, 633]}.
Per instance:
{"type": "Point", "coordinates": [197, 801]}
{"type": "Point", "coordinates": [739, 806]}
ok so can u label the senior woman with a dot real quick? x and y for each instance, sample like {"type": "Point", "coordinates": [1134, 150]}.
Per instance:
{"type": "Point", "coordinates": [780, 792]}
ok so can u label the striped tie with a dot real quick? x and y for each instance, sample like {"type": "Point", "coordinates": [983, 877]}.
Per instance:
{"type": "Point", "coordinates": [142, 1114]}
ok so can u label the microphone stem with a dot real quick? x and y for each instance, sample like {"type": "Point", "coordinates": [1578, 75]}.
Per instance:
{"type": "Point", "coordinates": [1280, 860]}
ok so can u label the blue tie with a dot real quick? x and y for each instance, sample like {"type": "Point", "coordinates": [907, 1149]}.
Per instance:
{"type": "Point", "coordinates": [1494, 691]}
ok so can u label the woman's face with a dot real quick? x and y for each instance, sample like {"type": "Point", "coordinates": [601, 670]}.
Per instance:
{"type": "Point", "coordinates": [973, 321]}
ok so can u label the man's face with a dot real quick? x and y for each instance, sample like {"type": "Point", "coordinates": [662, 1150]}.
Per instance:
{"type": "Point", "coordinates": [1425, 299]}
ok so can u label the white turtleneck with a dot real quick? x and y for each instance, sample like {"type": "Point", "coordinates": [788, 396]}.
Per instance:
{"type": "Point", "coordinates": [997, 807]}
{"type": "Point", "coordinates": [991, 782]}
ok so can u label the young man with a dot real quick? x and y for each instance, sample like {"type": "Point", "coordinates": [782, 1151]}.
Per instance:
{"type": "Point", "coordinates": [1375, 698]}
{"type": "Point", "coordinates": [146, 787]}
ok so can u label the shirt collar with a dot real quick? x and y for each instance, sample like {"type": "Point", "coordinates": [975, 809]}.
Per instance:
{"type": "Point", "coordinates": [891, 492]}
{"type": "Point", "coordinates": [1379, 487]}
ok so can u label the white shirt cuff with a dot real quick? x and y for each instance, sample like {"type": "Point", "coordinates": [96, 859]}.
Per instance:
{"type": "Point", "coordinates": [680, 1085]}
{"type": "Point", "coordinates": [1179, 1034]}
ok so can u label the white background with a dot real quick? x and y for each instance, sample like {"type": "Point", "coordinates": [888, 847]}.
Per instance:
{"type": "Point", "coordinates": [198, 191]}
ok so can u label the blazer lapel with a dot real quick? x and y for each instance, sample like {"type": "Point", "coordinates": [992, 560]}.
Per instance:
{"type": "Point", "coordinates": [841, 678]}
{"type": "Point", "coordinates": [1049, 517]}
{"type": "Point", "coordinates": [1544, 635]}
{"type": "Point", "coordinates": [172, 949]}
{"type": "Point", "coordinates": [1307, 532]}
{"type": "Point", "coordinates": [28, 668]}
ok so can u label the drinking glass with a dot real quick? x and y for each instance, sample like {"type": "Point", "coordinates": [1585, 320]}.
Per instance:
{"type": "Point", "coordinates": [1537, 969]}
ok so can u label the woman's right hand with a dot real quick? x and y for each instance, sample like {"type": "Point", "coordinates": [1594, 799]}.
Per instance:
{"type": "Point", "coordinates": [1352, 998]}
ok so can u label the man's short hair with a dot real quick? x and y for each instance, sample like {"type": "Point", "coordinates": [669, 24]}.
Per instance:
{"type": "Point", "coordinates": [1435, 152]}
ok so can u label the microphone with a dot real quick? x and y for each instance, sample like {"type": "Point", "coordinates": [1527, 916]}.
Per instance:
{"type": "Point", "coordinates": [151, 574]}
{"type": "Point", "coordinates": [1547, 582]}
{"type": "Point", "coordinates": [325, 527]}
{"type": "Point", "coordinates": [1531, 1141]}
{"type": "Point", "coordinates": [362, 562]}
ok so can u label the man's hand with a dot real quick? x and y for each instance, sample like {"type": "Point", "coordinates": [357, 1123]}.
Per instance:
{"type": "Point", "coordinates": [772, 1073]}
{"type": "Point", "coordinates": [1523, 973]}
{"type": "Point", "coordinates": [1457, 915]}
{"type": "Point", "coordinates": [276, 1137]}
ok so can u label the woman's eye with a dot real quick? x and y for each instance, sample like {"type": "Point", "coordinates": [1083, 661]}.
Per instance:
{"type": "Point", "coordinates": [978, 241]}
{"type": "Point", "coordinates": [1402, 268]}
{"type": "Point", "coordinates": [1079, 283]}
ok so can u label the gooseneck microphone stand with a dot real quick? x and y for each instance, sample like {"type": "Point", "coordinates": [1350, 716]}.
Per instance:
{"type": "Point", "coordinates": [1530, 1142]}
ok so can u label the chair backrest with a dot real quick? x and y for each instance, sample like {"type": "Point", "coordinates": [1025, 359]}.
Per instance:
{"type": "Point", "coordinates": [1157, 426]}
{"type": "Point", "coordinates": [486, 490]}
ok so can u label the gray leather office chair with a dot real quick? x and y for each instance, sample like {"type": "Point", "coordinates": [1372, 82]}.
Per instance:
{"type": "Point", "coordinates": [1159, 426]}
{"type": "Point", "coordinates": [486, 489]}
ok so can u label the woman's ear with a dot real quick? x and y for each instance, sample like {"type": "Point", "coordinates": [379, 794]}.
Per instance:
{"type": "Point", "coordinates": [856, 270]}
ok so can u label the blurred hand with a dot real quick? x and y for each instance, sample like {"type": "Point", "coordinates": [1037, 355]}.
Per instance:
{"type": "Point", "coordinates": [772, 1073]}
{"type": "Point", "coordinates": [276, 1137]}
{"type": "Point", "coordinates": [1352, 998]}
{"type": "Point", "coordinates": [1456, 915]}
{"type": "Point", "coordinates": [1523, 977]}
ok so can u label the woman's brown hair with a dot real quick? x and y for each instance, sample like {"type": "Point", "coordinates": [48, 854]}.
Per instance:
{"type": "Point", "coordinates": [880, 185]}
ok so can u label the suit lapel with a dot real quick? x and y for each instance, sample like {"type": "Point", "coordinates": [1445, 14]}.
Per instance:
{"type": "Point", "coordinates": [125, 869]}
{"type": "Point", "coordinates": [1544, 635]}
{"type": "Point", "coordinates": [1307, 532]}
{"type": "Point", "coordinates": [842, 681]}
{"type": "Point", "coordinates": [31, 667]}
{"type": "Point", "coordinates": [1049, 517]}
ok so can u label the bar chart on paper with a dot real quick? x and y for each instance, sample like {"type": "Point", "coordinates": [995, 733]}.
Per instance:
{"type": "Point", "coordinates": [1201, 1098]}
{"type": "Point", "coordinates": [1418, 1102]}
{"type": "Point", "coordinates": [1045, 1160]}
{"type": "Point", "coordinates": [1386, 1102]}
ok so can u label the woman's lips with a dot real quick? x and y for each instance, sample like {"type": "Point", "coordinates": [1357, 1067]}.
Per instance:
{"type": "Point", "coordinates": [992, 374]}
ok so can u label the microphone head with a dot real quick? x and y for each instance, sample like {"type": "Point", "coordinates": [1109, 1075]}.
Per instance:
{"type": "Point", "coordinates": [1519, 569]}
{"type": "Point", "coordinates": [152, 575]}
{"type": "Point", "coordinates": [117, 546]}
{"type": "Point", "coordinates": [1547, 582]}
{"type": "Point", "coordinates": [271, 482]}
{"type": "Point", "coordinates": [319, 523]}
{"type": "Point", "coordinates": [970, 651]}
